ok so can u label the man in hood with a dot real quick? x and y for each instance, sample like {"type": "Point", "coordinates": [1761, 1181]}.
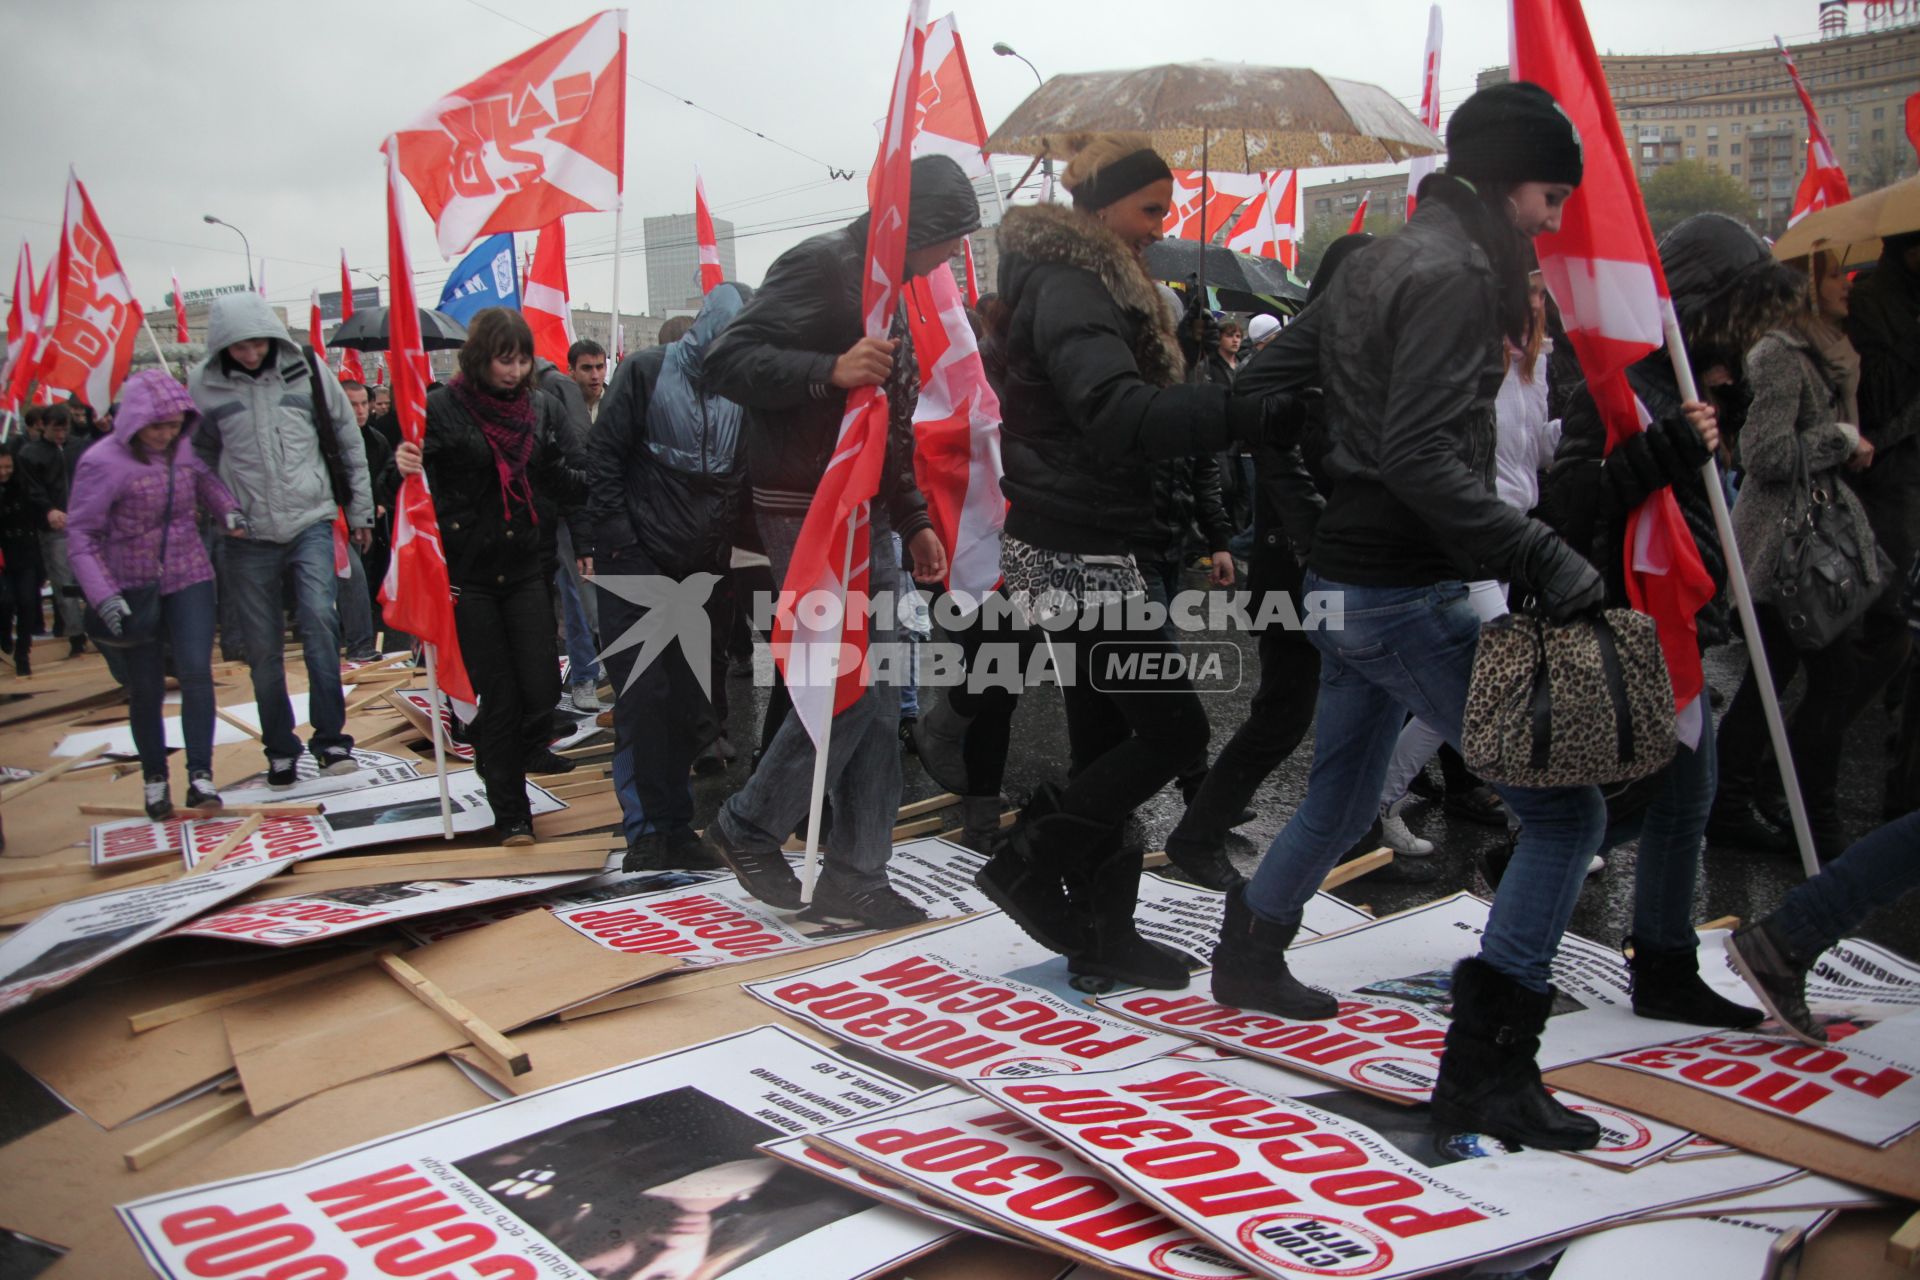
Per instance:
{"type": "Point", "coordinates": [264, 408]}
{"type": "Point", "coordinates": [790, 358]}
{"type": "Point", "coordinates": [48, 464]}
{"type": "Point", "coordinates": [579, 618]}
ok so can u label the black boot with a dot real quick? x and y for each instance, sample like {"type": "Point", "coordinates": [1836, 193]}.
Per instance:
{"type": "Point", "coordinates": [1107, 893]}
{"type": "Point", "coordinates": [1489, 1082]}
{"type": "Point", "coordinates": [1208, 868]}
{"type": "Point", "coordinates": [1667, 985]}
{"type": "Point", "coordinates": [979, 822]}
{"type": "Point", "coordinates": [939, 738]}
{"type": "Point", "coordinates": [1026, 876]}
{"type": "Point", "coordinates": [1250, 966]}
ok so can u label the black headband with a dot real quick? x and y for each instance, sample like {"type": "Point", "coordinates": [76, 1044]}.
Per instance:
{"type": "Point", "coordinates": [1121, 178]}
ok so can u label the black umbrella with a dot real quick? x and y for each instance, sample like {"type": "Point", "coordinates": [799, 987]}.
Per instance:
{"type": "Point", "coordinates": [1179, 261]}
{"type": "Point", "coordinates": [366, 330]}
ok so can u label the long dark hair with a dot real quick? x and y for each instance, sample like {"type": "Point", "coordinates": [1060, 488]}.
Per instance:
{"type": "Point", "coordinates": [1482, 209]}
{"type": "Point", "coordinates": [494, 333]}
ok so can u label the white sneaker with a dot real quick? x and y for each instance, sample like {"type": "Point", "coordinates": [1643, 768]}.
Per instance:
{"type": "Point", "coordinates": [1598, 865]}
{"type": "Point", "coordinates": [1396, 835]}
{"type": "Point", "coordinates": [586, 698]}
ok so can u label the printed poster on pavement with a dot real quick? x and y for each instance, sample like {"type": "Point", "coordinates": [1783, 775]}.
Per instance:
{"type": "Point", "coordinates": [651, 1169]}
{"type": "Point", "coordinates": [286, 922]}
{"type": "Point", "coordinates": [601, 888]}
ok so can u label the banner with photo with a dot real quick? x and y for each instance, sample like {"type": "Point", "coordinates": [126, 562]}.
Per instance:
{"type": "Point", "coordinates": [420, 930]}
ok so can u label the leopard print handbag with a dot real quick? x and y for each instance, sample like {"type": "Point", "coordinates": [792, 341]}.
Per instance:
{"type": "Point", "coordinates": [1562, 704]}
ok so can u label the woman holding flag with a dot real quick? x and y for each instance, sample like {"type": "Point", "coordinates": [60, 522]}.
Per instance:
{"type": "Point", "coordinates": [501, 480]}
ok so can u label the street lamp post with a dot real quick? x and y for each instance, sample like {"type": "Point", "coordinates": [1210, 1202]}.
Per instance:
{"type": "Point", "coordinates": [1006, 50]}
{"type": "Point", "coordinates": [209, 218]}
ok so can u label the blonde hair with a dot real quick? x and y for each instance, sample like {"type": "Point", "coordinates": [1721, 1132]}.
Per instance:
{"type": "Point", "coordinates": [1092, 152]}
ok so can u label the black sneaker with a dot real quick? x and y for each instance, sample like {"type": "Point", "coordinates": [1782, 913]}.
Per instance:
{"type": "Point", "coordinates": [514, 834]}
{"type": "Point", "coordinates": [336, 762]}
{"type": "Point", "coordinates": [1760, 954]}
{"type": "Point", "coordinates": [679, 850]}
{"type": "Point", "coordinates": [76, 645]}
{"type": "Point", "coordinates": [159, 803]}
{"type": "Point", "coordinates": [880, 907]}
{"type": "Point", "coordinates": [546, 760]}
{"type": "Point", "coordinates": [763, 872]}
{"type": "Point", "coordinates": [281, 774]}
{"type": "Point", "coordinates": [201, 795]}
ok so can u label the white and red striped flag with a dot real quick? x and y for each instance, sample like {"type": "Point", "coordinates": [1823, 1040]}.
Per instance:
{"type": "Point", "coordinates": [950, 123]}
{"type": "Point", "coordinates": [1359, 223]}
{"type": "Point", "coordinates": [314, 337]}
{"type": "Point", "coordinates": [543, 300]}
{"type": "Point", "coordinates": [342, 564]}
{"type": "Point", "coordinates": [179, 310]}
{"type": "Point", "coordinates": [956, 436]}
{"type": "Point", "coordinates": [710, 273]}
{"type": "Point", "coordinates": [21, 315]}
{"type": "Point", "coordinates": [1269, 227]}
{"type": "Point", "coordinates": [537, 137]}
{"type": "Point", "coordinates": [1603, 270]}
{"type": "Point", "coordinates": [1225, 192]}
{"type": "Point", "coordinates": [1420, 166]}
{"type": "Point", "coordinates": [830, 556]}
{"type": "Point", "coordinates": [417, 596]}
{"type": "Point", "coordinates": [89, 346]}
{"type": "Point", "coordinates": [41, 309]}
{"type": "Point", "coordinates": [350, 369]}
{"type": "Point", "coordinates": [1825, 183]}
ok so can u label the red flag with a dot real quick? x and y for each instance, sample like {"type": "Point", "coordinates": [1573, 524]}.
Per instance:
{"type": "Point", "coordinates": [710, 273]}
{"type": "Point", "coordinates": [41, 311]}
{"type": "Point", "coordinates": [1224, 193]}
{"type": "Point", "coordinates": [1420, 166]}
{"type": "Point", "coordinates": [350, 370]}
{"type": "Point", "coordinates": [949, 121]}
{"type": "Point", "coordinates": [956, 436]}
{"type": "Point", "coordinates": [417, 597]}
{"type": "Point", "coordinates": [830, 554]}
{"type": "Point", "coordinates": [1603, 269]}
{"type": "Point", "coordinates": [543, 301]}
{"type": "Point", "coordinates": [1825, 183]}
{"type": "Point", "coordinates": [973, 279]}
{"type": "Point", "coordinates": [22, 317]}
{"type": "Point", "coordinates": [1269, 227]}
{"type": "Point", "coordinates": [179, 311]}
{"type": "Point", "coordinates": [541, 135]}
{"type": "Point", "coordinates": [1359, 223]}
{"type": "Point", "coordinates": [314, 338]}
{"type": "Point", "coordinates": [1913, 121]}
{"type": "Point", "coordinates": [89, 346]}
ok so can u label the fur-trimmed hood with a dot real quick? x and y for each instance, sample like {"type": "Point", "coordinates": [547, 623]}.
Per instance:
{"type": "Point", "coordinates": [1043, 235]}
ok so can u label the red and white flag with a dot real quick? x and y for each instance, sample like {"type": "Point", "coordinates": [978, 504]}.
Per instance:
{"type": "Point", "coordinates": [956, 436]}
{"type": "Point", "coordinates": [262, 286]}
{"type": "Point", "coordinates": [1603, 270]}
{"type": "Point", "coordinates": [1225, 192]}
{"type": "Point", "coordinates": [1420, 166]}
{"type": "Point", "coordinates": [89, 346]}
{"type": "Point", "coordinates": [1359, 223]}
{"type": "Point", "coordinates": [543, 299]}
{"type": "Point", "coordinates": [42, 305]}
{"type": "Point", "coordinates": [416, 597]}
{"type": "Point", "coordinates": [537, 137]}
{"type": "Point", "coordinates": [21, 314]}
{"type": "Point", "coordinates": [711, 275]}
{"type": "Point", "coordinates": [973, 278]}
{"type": "Point", "coordinates": [1825, 183]}
{"type": "Point", "coordinates": [1269, 227]}
{"type": "Point", "coordinates": [950, 123]}
{"type": "Point", "coordinates": [831, 554]}
{"type": "Point", "coordinates": [350, 369]}
{"type": "Point", "coordinates": [179, 310]}
{"type": "Point", "coordinates": [314, 337]}
{"type": "Point", "coordinates": [1913, 121]}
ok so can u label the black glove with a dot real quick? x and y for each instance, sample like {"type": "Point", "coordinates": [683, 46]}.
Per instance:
{"type": "Point", "coordinates": [1560, 578]}
{"type": "Point", "coordinates": [1648, 461]}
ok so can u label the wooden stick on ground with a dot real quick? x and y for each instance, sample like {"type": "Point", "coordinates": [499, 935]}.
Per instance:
{"type": "Point", "coordinates": [289, 810]}
{"type": "Point", "coordinates": [918, 807]}
{"type": "Point", "coordinates": [404, 727]}
{"type": "Point", "coordinates": [237, 723]}
{"type": "Point", "coordinates": [1903, 1246]}
{"type": "Point", "coordinates": [919, 827]}
{"type": "Point", "coordinates": [504, 1054]}
{"type": "Point", "coordinates": [57, 894]}
{"type": "Point", "coordinates": [1360, 866]}
{"type": "Point", "coordinates": [56, 869]}
{"type": "Point", "coordinates": [150, 1153]}
{"type": "Point", "coordinates": [227, 846]}
{"type": "Point", "coordinates": [1724, 922]}
{"type": "Point", "coordinates": [364, 861]}
{"type": "Point", "coordinates": [378, 694]}
{"type": "Point", "coordinates": [9, 794]}
{"type": "Point", "coordinates": [183, 1009]}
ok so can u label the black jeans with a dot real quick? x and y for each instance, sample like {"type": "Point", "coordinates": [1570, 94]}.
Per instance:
{"type": "Point", "coordinates": [507, 639]}
{"type": "Point", "coordinates": [20, 595]}
{"type": "Point", "coordinates": [1277, 720]}
{"type": "Point", "coordinates": [664, 719]}
{"type": "Point", "coordinates": [991, 703]}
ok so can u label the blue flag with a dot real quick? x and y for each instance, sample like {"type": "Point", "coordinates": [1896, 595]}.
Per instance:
{"type": "Point", "coordinates": [487, 277]}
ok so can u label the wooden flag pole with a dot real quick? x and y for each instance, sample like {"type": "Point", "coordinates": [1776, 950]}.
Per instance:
{"type": "Point", "coordinates": [439, 739]}
{"type": "Point", "coordinates": [148, 326]}
{"type": "Point", "coordinates": [1743, 603]}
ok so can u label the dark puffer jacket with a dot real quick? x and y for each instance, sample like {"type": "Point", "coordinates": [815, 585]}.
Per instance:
{"type": "Point", "coordinates": [776, 358]}
{"type": "Point", "coordinates": [1093, 396]}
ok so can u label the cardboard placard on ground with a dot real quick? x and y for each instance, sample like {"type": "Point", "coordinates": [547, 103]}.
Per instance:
{"type": "Point", "coordinates": [287, 917]}
{"type": "Point", "coordinates": [600, 888]}
{"type": "Point", "coordinates": [292, 1045]}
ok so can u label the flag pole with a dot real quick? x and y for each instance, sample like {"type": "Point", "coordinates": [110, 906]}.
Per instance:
{"type": "Point", "coordinates": [810, 863]}
{"type": "Point", "coordinates": [6, 426]}
{"type": "Point", "coordinates": [439, 738]}
{"type": "Point", "coordinates": [1749, 623]}
{"type": "Point", "coordinates": [614, 344]}
{"type": "Point", "coordinates": [148, 326]}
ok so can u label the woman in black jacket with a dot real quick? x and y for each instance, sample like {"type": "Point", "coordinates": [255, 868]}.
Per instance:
{"type": "Point", "coordinates": [1094, 396]}
{"type": "Point", "coordinates": [501, 479]}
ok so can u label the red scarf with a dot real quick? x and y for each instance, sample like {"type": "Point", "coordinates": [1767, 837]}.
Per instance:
{"type": "Point", "coordinates": [508, 423]}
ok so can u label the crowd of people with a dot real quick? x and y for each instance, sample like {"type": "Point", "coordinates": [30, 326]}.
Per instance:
{"type": "Point", "coordinates": [1417, 441]}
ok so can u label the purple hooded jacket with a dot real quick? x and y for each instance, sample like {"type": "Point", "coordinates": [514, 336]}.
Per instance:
{"type": "Point", "coordinates": [115, 514]}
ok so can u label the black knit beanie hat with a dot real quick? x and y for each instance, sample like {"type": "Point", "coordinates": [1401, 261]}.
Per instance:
{"type": "Point", "coordinates": [1513, 132]}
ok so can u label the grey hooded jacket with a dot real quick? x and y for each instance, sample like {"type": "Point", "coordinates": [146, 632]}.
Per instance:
{"type": "Point", "coordinates": [258, 429]}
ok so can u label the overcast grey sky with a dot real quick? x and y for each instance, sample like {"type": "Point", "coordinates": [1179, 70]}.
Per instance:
{"type": "Point", "coordinates": [270, 114]}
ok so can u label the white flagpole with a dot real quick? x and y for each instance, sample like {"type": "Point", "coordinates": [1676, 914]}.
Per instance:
{"type": "Point", "coordinates": [810, 864]}
{"type": "Point", "coordinates": [614, 344]}
{"type": "Point", "coordinates": [148, 326]}
{"type": "Point", "coordinates": [1749, 623]}
{"type": "Point", "coordinates": [6, 427]}
{"type": "Point", "coordinates": [439, 739]}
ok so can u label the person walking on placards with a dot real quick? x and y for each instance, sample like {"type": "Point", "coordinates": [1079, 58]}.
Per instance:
{"type": "Point", "coordinates": [1407, 348]}
{"type": "Point", "coordinates": [135, 541]}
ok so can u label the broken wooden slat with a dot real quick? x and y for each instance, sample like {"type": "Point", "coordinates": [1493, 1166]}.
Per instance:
{"type": "Point", "coordinates": [14, 791]}
{"type": "Point", "coordinates": [151, 1153]}
{"type": "Point", "coordinates": [920, 827]}
{"type": "Point", "coordinates": [237, 723]}
{"type": "Point", "coordinates": [502, 1052]}
{"type": "Point", "coordinates": [289, 810]}
{"type": "Point", "coordinates": [1903, 1246]}
{"type": "Point", "coordinates": [919, 807]}
{"type": "Point", "coordinates": [183, 1009]}
{"type": "Point", "coordinates": [352, 862]}
{"type": "Point", "coordinates": [54, 869]}
{"type": "Point", "coordinates": [234, 840]}
{"type": "Point", "coordinates": [1360, 866]}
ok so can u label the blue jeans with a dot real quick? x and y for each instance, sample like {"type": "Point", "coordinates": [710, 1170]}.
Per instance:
{"type": "Point", "coordinates": [577, 616]}
{"type": "Point", "coordinates": [1410, 650]}
{"type": "Point", "coordinates": [863, 755]}
{"type": "Point", "coordinates": [186, 626]}
{"type": "Point", "coordinates": [256, 574]}
{"type": "Point", "coordinates": [355, 606]}
{"type": "Point", "coordinates": [1671, 829]}
{"type": "Point", "coordinates": [1874, 872]}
